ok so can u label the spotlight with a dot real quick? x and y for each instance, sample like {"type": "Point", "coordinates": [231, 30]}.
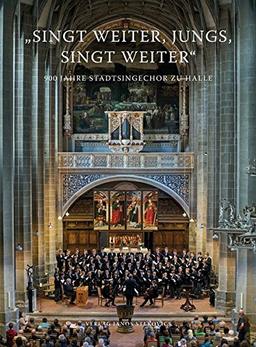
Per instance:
{"type": "Point", "coordinates": [205, 153]}
{"type": "Point", "coordinates": [59, 218]}
{"type": "Point", "coordinates": [50, 226]}
{"type": "Point", "coordinates": [192, 220]}
{"type": "Point", "coordinates": [184, 214]}
{"type": "Point", "coordinates": [67, 214]}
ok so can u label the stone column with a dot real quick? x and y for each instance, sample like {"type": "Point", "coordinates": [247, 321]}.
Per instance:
{"type": "Point", "coordinates": [227, 125]}
{"type": "Point", "coordinates": [38, 158]}
{"type": "Point", "coordinates": [246, 282]}
{"type": "Point", "coordinates": [23, 161]}
{"type": "Point", "coordinates": [246, 81]}
{"type": "Point", "coordinates": [198, 138]}
{"type": "Point", "coordinates": [50, 172]}
{"type": "Point", "coordinates": [8, 311]}
{"type": "Point", "coordinates": [212, 153]}
{"type": "Point", "coordinates": [225, 294]}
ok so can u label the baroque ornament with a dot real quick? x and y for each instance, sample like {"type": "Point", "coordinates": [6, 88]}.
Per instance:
{"type": "Point", "coordinates": [241, 228]}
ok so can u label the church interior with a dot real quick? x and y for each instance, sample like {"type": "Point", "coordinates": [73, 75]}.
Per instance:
{"type": "Point", "coordinates": [141, 181]}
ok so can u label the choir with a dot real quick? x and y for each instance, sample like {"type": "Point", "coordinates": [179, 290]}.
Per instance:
{"type": "Point", "coordinates": [169, 270]}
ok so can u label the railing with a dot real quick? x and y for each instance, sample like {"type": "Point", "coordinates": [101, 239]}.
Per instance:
{"type": "Point", "coordinates": [81, 160]}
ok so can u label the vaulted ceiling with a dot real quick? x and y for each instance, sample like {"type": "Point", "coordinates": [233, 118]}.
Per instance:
{"type": "Point", "coordinates": [165, 14]}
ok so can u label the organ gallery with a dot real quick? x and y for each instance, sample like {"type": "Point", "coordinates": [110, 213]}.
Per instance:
{"type": "Point", "coordinates": [127, 206]}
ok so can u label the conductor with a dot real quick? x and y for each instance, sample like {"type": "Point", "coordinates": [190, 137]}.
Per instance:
{"type": "Point", "coordinates": [130, 289]}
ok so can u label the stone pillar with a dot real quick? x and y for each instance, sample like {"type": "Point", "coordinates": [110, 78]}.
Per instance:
{"type": "Point", "coordinates": [246, 81]}
{"type": "Point", "coordinates": [38, 158]}
{"type": "Point", "coordinates": [226, 154]}
{"type": "Point", "coordinates": [198, 144]}
{"type": "Point", "coordinates": [8, 311]}
{"type": "Point", "coordinates": [225, 294]}
{"type": "Point", "coordinates": [212, 153]}
{"type": "Point", "coordinates": [51, 171]}
{"type": "Point", "coordinates": [246, 282]}
{"type": "Point", "coordinates": [23, 162]}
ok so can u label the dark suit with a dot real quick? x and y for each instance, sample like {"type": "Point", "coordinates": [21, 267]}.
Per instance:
{"type": "Point", "coordinates": [70, 292]}
{"type": "Point", "coordinates": [150, 294]}
{"type": "Point", "coordinates": [130, 287]}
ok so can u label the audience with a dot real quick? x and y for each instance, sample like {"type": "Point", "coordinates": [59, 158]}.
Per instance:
{"type": "Point", "coordinates": [55, 334]}
{"type": "Point", "coordinates": [194, 333]}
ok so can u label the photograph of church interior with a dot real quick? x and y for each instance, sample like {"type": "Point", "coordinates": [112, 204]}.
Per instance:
{"type": "Point", "coordinates": [128, 208]}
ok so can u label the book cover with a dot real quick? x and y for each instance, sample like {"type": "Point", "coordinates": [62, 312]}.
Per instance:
{"type": "Point", "coordinates": [128, 170]}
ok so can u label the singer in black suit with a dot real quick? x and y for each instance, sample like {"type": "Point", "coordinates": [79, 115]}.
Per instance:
{"type": "Point", "coordinates": [130, 290]}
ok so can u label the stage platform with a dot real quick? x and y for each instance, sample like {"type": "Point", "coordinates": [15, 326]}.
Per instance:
{"type": "Point", "coordinates": [170, 310]}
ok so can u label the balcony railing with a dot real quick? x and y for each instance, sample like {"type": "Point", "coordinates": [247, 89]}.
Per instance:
{"type": "Point", "coordinates": [170, 161]}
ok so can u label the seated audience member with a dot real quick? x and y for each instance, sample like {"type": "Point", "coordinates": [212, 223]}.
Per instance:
{"type": "Point", "coordinates": [165, 337]}
{"type": "Point", "coordinates": [62, 341]}
{"type": "Point", "coordinates": [101, 343]}
{"type": "Point", "coordinates": [23, 321]}
{"type": "Point", "coordinates": [193, 343]}
{"type": "Point", "coordinates": [48, 342]}
{"type": "Point", "coordinates": [207, 342]}
{"type": "Point", "coordinates": [44, 324]}
{"type": "Point", "coordinates": [173, 328]}
{"type": "Point", "coordinates": [223, 343]}
{"type": "Point", "coordinates": [3, 341]}
{"type": "Point", "coordinates": [57, 325]}
{"type": "Point", "coordinates": [199, 331]}
{"type": "Point", "coordinates": [151, 337]}
{"type": "Point", "coordinates": [190, 335]}
{"type": "Point", "coordinates": [184, 328]}
{"type": "Point", "coordinates": [10, 334]}
{"type": "Point", "coordinates": [31, 325]}
{"type": "Point", "coordinates": [34, 336]}
{"type": "Point", "coordinates": [215, 320]}
{"type": "Point", "coordinates": [19, 342]}
{"type": "Point", "coordinates": [195, 322]}
{"type": "Point", "coordinates": [182, 343]}
{"type": "Point", "coordinates": [166, 343]}
{"type": "Point", "coordinates": [244, 343]}
{"type": "Point", "coordinates": [21, 335]}
{"type": "Point", "coordinates": [86, 344]}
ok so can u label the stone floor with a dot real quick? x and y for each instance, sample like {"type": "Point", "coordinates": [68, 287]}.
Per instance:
{"type": "Point", "coordinates": [170, 309]}
{"type": "Point", "coordinates": [134, 339]}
